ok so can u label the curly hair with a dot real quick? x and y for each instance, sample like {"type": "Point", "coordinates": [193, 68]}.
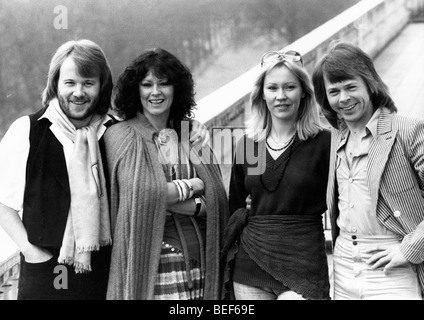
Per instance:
{"type": "Point", "coordinates": [163, 65]}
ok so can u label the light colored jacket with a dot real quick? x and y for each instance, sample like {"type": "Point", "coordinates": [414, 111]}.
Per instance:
{"type": "Point", "coordinates": [395, 177]}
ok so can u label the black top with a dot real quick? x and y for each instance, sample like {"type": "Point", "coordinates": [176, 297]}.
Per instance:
{"type": "Point", "coordinates": [301, 191]}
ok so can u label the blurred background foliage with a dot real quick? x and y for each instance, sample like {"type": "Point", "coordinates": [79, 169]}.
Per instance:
{"type": "Point", "coordinates": [199, 32]}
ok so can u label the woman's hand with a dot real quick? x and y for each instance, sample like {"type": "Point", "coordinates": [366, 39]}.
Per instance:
{"type": "Point", "coordinates": [198, 186]}
{"type": "Point", "coordinates": [199, 133]}
{"type": "Point", "coordinates": [248, 202]}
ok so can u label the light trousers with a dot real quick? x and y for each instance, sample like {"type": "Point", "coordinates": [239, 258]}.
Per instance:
{"type": "Point", "coordinates": [353, 279]}
{"type": "Point", "coordinates": [245, 292]}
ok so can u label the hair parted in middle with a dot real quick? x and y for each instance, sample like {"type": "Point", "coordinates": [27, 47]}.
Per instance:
{"type": "Point", "coordinates": [259, 124]}
{"type": "Point", "coordinates": [91, 61]}
{"type": "Point", "coordinates": [164, 65]}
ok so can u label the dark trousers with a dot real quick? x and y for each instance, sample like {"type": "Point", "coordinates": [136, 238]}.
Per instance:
{"type": "Point", "coordinates": [52, 281]}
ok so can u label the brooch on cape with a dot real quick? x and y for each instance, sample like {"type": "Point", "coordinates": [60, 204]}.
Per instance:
{"type": "Point", "coordinates": [165, 135]}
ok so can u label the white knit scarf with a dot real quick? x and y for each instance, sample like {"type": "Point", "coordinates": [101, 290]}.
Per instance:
{"type": "Point", "coordinates": [88, 224]}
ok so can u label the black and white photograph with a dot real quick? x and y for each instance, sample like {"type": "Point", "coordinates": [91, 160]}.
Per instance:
{"type": "Point", "coordinates": [206, 151]}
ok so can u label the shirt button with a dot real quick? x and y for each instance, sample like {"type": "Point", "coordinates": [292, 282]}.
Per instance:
{"type": "Point", "coordinates": [354, 229]}
{"type": "Point", "coordinates": [351, 205]}
{"type": "Point", "coordinates": [353, 237]}
{"type": "Point", "coordinates": [351, 180]}
{"type": "Point", "coordinates": [355, 243]}
{"type": "Point", "coordinates": [396, 213]}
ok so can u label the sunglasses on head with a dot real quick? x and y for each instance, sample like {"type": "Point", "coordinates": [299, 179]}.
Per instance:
{"type": "Point", "coordinates": [290, 55]}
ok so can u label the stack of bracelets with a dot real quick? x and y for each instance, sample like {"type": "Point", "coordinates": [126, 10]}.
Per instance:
{"type": "Point", "coordinates": [185, 189]}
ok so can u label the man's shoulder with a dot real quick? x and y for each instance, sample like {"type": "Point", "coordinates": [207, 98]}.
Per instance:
{"type": "Point", "coordinates": [405, 124]}
{"type": "Point", "coordinates": [37, 114]}
{"type": "Point", "coordinates": [26, 123]}
{"type": "Point", "coordinates": [113, 119]}
{"type": "Point", "coordinates": [405, 119]}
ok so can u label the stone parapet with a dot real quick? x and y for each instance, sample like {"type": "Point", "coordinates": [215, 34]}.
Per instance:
{"type": "Point", "coordinates": [371, 24]}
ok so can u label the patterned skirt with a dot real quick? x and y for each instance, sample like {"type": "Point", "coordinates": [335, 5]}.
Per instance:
{"type": "Point", "coordinates": [174, 281]}
{"type": "Point", "coordinates": [181, 272]}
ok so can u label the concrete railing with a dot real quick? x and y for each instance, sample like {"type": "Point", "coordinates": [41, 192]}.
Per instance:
{"type": "Point", "coordinates": [9, 274]}
{"type": "Point", "coordinates": [371, 24]}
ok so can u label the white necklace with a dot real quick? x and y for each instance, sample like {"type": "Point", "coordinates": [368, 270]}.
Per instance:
{"type": "Point", "coordinates": [282, 143]}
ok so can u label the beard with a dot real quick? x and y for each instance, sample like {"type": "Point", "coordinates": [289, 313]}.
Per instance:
{"type": "Point", "coordinates": [75, 112]}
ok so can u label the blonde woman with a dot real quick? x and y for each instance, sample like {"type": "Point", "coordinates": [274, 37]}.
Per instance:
{"type": "Point", "coordinates": [278, 246]}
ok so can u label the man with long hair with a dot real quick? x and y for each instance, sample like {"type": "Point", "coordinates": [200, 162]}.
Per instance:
{"type": "Point", "coordinates": [52, 170]}
{"type": "Point", "coordinates": [376, 181]}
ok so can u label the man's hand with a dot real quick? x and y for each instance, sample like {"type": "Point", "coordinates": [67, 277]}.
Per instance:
{"type": "Point", "coordinates": [388, 256]}
{"type": "Point", "coordinates": [34, 254]}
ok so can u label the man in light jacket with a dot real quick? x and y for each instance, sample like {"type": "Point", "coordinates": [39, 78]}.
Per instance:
{"type": "Point", "coordinates": [376, 181]}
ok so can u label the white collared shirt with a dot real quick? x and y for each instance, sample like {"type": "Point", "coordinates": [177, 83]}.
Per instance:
{"type": "Point", "coordinates": [356, 214]}
{"type": "Point", "coordinates": [14, 151]}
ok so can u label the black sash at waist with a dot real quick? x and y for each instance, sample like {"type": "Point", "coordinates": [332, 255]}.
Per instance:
{"type": "Point", "coordinates": [291, 248]}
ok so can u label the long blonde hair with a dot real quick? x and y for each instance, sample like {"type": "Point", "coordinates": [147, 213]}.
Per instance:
{"type": "Point", "coordinates": [259, 124]}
